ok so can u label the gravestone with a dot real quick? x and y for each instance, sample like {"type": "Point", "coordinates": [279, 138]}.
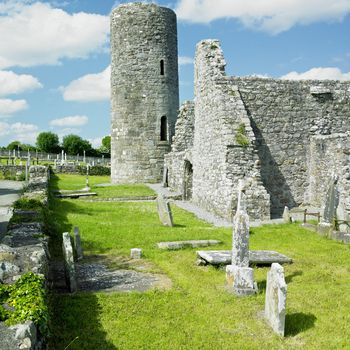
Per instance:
{"type": "Point", "coordinates": [69, 267]}
{"type": "Point", "coordinates": [239, 276]}
{"type": "Point", "coordinates": [332, 201]}
{"type": "Point", "coordinates": [164, 211]}
{"type": "Point", "coordinates": [135, 253]}
{"type": "Point", "coordinates": [77, 244]}
{"type": "Point", "coordinates": [276, 297]}
{"type": "Point", "coordinates": [286, 215]}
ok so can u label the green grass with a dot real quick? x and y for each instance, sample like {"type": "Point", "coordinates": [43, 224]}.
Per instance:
{"type": "Point", "coordinates": [198, 313]}
{"type": "Point", "coordinates": [77, 182]}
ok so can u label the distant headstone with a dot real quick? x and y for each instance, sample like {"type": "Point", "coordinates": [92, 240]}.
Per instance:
{"type": "Point", "coordinates": [276, 297]}
{"type": "Point", "coordinates": [77, 244]}
{"type": "Point", "coordinates": [164, 211]}
{"type": "Point", "coordinates": [69, 262]}
{"type": "Point", "coordinates": [135, 253]}
{"type": "Point", "coordinates": [286, 215]}
{"type": "Point", "coordinates": [239, 276]}
{"type": "Point", "coordinates": [332, 201]}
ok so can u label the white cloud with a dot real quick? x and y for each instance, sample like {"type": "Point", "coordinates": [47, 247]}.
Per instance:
{"type": "Point", "coordinates": [12, 83]}
{"type": "Point", "coordinates": [22, 132]}
{"type": "Point", "coordinates": [90, 87]}
{"type": "Point", "coordinates": [8, 106]}
{"type": "Point", "coordinates": [185, 60]}
{"type": "Point", "coordinates": [35, 33]}
{"type": "Point", "coordinates": [70, 121]}
{"type": "Point", "coordinates": [96, 142]}
{"type": "Point", "coordinates": [327, 73]}
{"type": "Point", "coordinates": [273, 16]}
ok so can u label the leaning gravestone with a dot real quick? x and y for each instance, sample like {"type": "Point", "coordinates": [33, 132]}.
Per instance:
{"type": "Point", "coordinates": [69, 262]}
{"type": "Point", "coordinates": [239, 276]}
{"type": "Point", "coordinates": [275, 300]}
{"type": "Point", "coordinates": [164, 211]}
{"type": "Point", "coordinates": [77, 243]}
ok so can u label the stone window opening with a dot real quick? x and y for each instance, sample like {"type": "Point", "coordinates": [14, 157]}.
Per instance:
{"type": "Point", "coordinates": [163, 129]}
{"type": "Point", "coordinates": [161, 67]}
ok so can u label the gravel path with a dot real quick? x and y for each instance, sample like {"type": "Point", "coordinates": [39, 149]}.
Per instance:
{"type": "Point", "coordinates": [9, 193]}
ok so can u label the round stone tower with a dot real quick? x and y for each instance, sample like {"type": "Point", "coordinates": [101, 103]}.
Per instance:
{"type": "Point", "coordinates": [145, 91]}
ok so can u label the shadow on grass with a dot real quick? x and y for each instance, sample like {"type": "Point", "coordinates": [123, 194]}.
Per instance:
{"type": "Point", "coordinates": [76, 323]}
{"type": "Point", "coordinates": [289, 278]}
{"type": "Point", "coordinates": [298, 322]}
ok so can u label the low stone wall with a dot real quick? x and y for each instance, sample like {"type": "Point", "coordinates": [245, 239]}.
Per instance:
{"type": "Point", "coordinates": [24, 249]}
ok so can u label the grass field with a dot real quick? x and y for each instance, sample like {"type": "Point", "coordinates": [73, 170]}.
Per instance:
{"type": "Point", "coordinates": [197, 312]}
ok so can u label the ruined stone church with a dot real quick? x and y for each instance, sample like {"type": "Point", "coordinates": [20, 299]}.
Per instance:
{"type": "Point", "coordinates": [285, 139]}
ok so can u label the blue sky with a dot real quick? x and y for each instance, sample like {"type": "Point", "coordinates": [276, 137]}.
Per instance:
{"type": "Point", "coordinates": [54, 55]}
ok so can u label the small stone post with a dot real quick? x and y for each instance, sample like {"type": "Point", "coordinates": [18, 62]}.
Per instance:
{"type": "Point", "coordinates": [69, 266]}
{"type": "Point", "coordinates": [135, 253]}
{"type": "Point", "coordinates": [276, 297]}
{"type": "Point", "coordinates": [286, 215]}
{"type": "Point", "coordinates": [77, 244]}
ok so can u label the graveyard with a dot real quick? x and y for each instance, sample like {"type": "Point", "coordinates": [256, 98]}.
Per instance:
{"type": "Point", "coordinates": [194, 309]}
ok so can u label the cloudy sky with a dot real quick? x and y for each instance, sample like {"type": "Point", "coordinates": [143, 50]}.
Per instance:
{"type": "Point", "coordinates": [54, 54]}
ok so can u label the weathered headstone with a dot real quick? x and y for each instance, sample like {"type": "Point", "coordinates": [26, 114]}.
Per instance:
{"type": "Point", "coordinates": [135, 253]}
{"type": "Point", "coordinates": [286, 215]}
{"type": "Point", "coordinates": [332, 201]}
{"type": "Point", "coordinates": [239, 276]}
{"type": "Point", "coordinates": [276, 297]}
{"type": "Point", "coordinates": [77, 244]}
{"type": "Point", "coordinates": [69, 262]}
{"type": "Point", "coordinates": [164, 211]}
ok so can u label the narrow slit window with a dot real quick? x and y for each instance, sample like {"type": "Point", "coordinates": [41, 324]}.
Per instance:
{"type": "Point", "coordinates": [161, 67]}
{"type": "Point", "coordinates": [163, 129]}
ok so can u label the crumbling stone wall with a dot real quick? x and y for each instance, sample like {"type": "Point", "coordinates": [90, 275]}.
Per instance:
{"type": "Point", "coordinates": [24, 248]}
{"type": "Point", "coordinates": [181, 147]}
{"type": "Point", "coordinates": [284, 116]}
{"type": "Point", "coordinates": [144, 85]}
{"type": "Point", "coordinates": [329, 157]}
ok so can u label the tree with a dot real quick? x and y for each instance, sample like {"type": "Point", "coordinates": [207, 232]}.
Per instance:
{"type": "Point", "coordinates": [106, 144]}
{"type": "Point", "coordinates": [74, 144]}
{"type": "Point", "coordinates": [27, 147]}
{"type": "Point", "coordinates": [48, 142]}
{"type": "Point", "coordinates": [14, 145]}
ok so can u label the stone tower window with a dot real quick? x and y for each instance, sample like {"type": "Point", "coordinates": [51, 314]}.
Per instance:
{"type": "Point", "coordinates": [161, 67]}
{"type": "Point", "coordinates": [163, 129]}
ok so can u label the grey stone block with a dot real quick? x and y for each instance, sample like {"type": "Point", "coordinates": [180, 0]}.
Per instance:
{"type": "Point", "coordinates": [136, 253]}
{"type": "Point", "coordinates": [183, 244]}
{"type": "Point", "coordinates": [69, 262]}
{"type": "Point", "coordinates": [77, 244]}
{"type": "Point", "coordinates": [164, 211]}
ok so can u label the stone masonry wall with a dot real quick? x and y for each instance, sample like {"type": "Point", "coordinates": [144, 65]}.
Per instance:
{"type": "Point", "coordinates": [220, 159]}
{"type": "Point", "coordinates": [181, 146]}
{"type": "Point", "coordinates": [144, 85]}
{"type": "Point", "coordinates": [285, 115]}
{"type": "Point", "coordinates": [330, 155]}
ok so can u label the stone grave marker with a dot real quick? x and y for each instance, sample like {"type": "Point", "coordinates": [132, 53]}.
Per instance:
{"type": "Point", "coordinates": [332, 201]}
{"type": "Point", "coordinates": [286, 215]}
{"type": "Point", "coordinates": [164, 211]}
{"type": "Point", "coordinates": [77, 243]}
{"type": "Point", "coordinates": [239, 276]}
{"type": "Point", "coordinates": [69, 262]}
{"type": "Point", "coordinates": [135, 253]}
{"type": "Point", "coordinates": [276, 297]}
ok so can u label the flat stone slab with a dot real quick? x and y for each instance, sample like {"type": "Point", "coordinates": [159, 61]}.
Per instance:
{"type": "Point", "coordinates": [184, 244]}
{"type": "Point", "coordinates": [256, 257]}
{"type": "Point", "coordinates": [75, 194]}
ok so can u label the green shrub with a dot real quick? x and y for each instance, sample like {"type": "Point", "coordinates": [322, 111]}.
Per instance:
{"type": "Point", "coordinates": [94, 170]}
{"type": "Point", "coordinates": [241, 136]}
{"type": "Point", "coordinates": [28, 204]}
{"type": "Point", "coordinates": [27, 297]}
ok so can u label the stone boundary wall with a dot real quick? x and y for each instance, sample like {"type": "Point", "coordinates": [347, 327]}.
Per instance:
{"type": "Point", "coordinates": [24, 248]}
{"type": "Point", "coordinates": [284, 116]}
